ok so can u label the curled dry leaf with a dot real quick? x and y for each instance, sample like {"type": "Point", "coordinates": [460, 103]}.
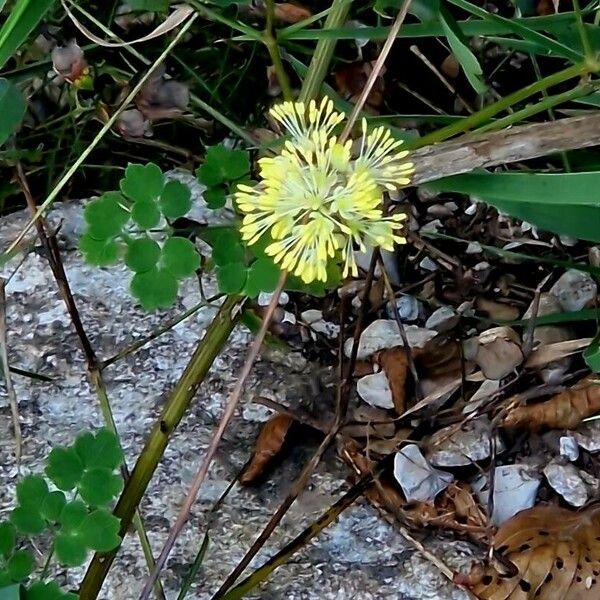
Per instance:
{"type": "Point", "coordinates": [564, 411]}
{"type": "Point", "coordinates": [351, 80]}
{"type": "Point", "coordinates": [161, 97]}
{"type": "Point", "coordinates": [499, 352]}
{"type": "Point", "coordinates": [394, 362]}
{"type": "Point", "coordinates": [268, 444]}
{"type": "Point", "coordinates": [291, 13]}
{"type": "Point", "coordinates": [546, 553]}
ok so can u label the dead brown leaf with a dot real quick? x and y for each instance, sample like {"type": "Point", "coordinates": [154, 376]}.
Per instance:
{"type": "Point", "coordinates": [546, 553]}
{"type": "Point", "coordinates": [268, 444]}
{"type": "Point", "coordinates": [394, 362]}
{"type": "Point", "coordinates": [291, 13]}
{"type": "Point", "coordinates": [351, 80]}
{"type": "Point", "coordinates": [450, 66]}
{"type": "Point", "coordinates": [564, 411]}
{"type": "Point", "coordinates": [499, 352]}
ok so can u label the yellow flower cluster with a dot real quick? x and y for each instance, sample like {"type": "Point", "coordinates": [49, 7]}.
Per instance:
{"type": "Point", "coordinates": [317, 200]}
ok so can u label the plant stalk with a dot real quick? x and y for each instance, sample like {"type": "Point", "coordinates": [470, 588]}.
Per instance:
{"type": "Point", "coordinates": [270, 42]}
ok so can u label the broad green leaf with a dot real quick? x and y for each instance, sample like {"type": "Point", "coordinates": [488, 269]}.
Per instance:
{"type": "Point", "coordinates": [145, 213]}
{"type": "Point", "coordinates": [143, 183]}
{"type": "Point", "coordinates": [10, 592]}
{"type": "Point", "coordinates": [20, 565]}
{"type": "Point", "coordinates": [263, 276]}
{"type": "Point", "coordinates": [564, 203]}
{"type": "Point", "coordinates": [215, 197]}
{"type": "Point", "coordinates": [232, 277]}
{"type": "Point", "coordinates": [591, 355]}
{"type": "Point", "coordinates": [70, 548]}
{"type": "Point", "coordinates": [222, 165]}
{"type": "Point", "coordinates": [180, 257]}
{"type": "Point", "coordinates": [227, 248]}
{"type": "Point", "coordinates": [31, 491]}
{"type": "Point", "coordinates": [175, 200]}
{"type": "Point", "coordinates": [99, 252]}
{"type": "Point", "coordinates": [156, 288]}
{"type": "Point", "coordinates": [142, 254]}
{"type": "Point", "coordinates": [52, 506]}
{"type": "Point", "coordinates": [12, 109]}
{"type": "Point", "coordinates": [148, 5]}
{"type": "Point", "coordinates": [462, 52]}
{"type": "Point", "coordinates": [99, 450]}
{"type": "Point", "coordinates": [72, 515]}
{"type": "Point", "coordinates": [105, 216]}
{"type": "Point", "coordinates": [27, 520]}
{"type": "Point", "coordinates": [64, 468]}
{"type": "Point", "coordinates": [99, 486]}
{"type": "Point", "coordinates": [8, 538]}
{"type": "Point", "coordinates": [100, 530]}
{"type": "Point", "coordinates": [47, 591]}
{"type": "Point", "coordinates": [22, 20]}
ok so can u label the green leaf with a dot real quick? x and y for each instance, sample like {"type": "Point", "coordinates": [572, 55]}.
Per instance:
{"type": "Point", "coordinates": [23, 18]}
{"type": "Point", "coordinates": [148, 5]}
{"type": "Point", "coordinates": [591, 355]}
{"type": "Point", "coordinates": [142, 254]}
{"type": "Point", "coordinates": [72, 516]}
{"type": "Point", "coordinates": [232, 277]}
{"type": "Point", "coordinates": [27, 521]}
{"type": "Point", "coordinates": [99, 486]}
{"type": "Point", "coordinates": [175, 200]}
{"type": "Point", "coordinates": [156, 288]}
{"type": "Point", "coordinates": [20, 566]}
{"type": "Point", "coordinates": [64, 468]}
{"type": "Point", "coordinates": [11, 592]}
{"type": "Point", "coordinates": [564, 203]}
{"type": "Point", "coordinates": [12, 109]}
{"type": "Point", "coordinates": [8, 538]}
{"type": "Point", "coordinates": [52, 506]}
{"type": "Point", "coordinates": [222, 165]}
{"type": "Point", "coordinates": [31, 491]}
{"type": "Point", "coordinates": [70, 548]}
{"type": "Point", "coordinates": [263, 276]}
{"type": "Point", "coordinates": [145, 213]}
{"type": "Point", "coordinates": [99, 450]}
{"type": "Point", "coordinates": [228, 248]}
{"type": "Point", "coordinates": [99, 252]}
{"type": "Point", "coordinates": [461, 50]}
{"type": "Point", "coordinates": [143, 183]}
{"type": "Point", "coordinates": [100, 530]}
{"type": "Point", "coordinates": [180, 257]}
{"type": "Point", "coordinates": [105, 216]}
{"type": "Point", "coordinates": [47, 591]}
{"type": "Point", "coordinates": [215, 197]}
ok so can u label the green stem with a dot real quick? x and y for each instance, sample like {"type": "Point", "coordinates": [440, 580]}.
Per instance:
{"type": "Point", "coordinates": [215, 337]}
{"type": "Point", "coordinates": [270, 42]}
{"type": "Point", "coordinates": [492, 110]}
{"type": "Point", "coordinates": [583, 33]}
{"type": "Point", "coordinates": [319, 65]}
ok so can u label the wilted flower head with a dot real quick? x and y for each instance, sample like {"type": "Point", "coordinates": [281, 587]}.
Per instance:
{"type": "Point", "coordinates": [316, 199]}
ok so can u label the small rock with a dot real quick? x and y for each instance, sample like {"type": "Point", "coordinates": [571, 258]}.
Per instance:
{"type": "Point", "coordinates": [439, 210]}
{"type": "Point", "coordinates": [594, 256]}
{"type": "Point", "coordinates": [428, 265]}
{"type": "Point", "coordinates": [264, 298]}
{"type": "Point", "coordinates": [569, 448]}
{"type": "Point", "coordinates": [419, 481]}
{"type": "Point", "coordinates": [450, 447]}
{"type": "Point", "coordinates": [566, 481]}
{"type": "Point", "coordinates": [588, 436]}
{"type": "Point", "coordinates": [515, 489]}
{"type": "Point", "coordinates": [474, 248]}
{"type": "Point", "coordinates": [409, 308]}
{"type": "Point", "coordinates": [384, 333]}
{"type": "Point", "coordinates": [432, 226]}
{"type": "Point", "coordinates": [314, 319]}
{"type": "Point", "coordinates": [443, 319]}
{"type": "Point", "coordinates": [375, 390]}
{"type": "Point", "coordinates": [574, 290]}
{"type": "Point", "coordinates": [482, 395]}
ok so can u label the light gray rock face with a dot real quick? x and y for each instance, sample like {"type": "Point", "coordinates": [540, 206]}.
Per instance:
{"type": "Point", "coordinates": [360, 557]}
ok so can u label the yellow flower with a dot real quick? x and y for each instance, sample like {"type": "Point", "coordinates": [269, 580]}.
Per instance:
{"type": "Point", "coordinates": [316, 200]}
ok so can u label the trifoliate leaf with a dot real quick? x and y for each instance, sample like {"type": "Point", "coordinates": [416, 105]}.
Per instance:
{"type": "Point", "coordinates": [180, 257]}
{"type": "Point", "coordinates": [156, 288]}
{"type": "Point", "coordinates": [263, 276]}
{"type": "Point", "coordinates": [52, 506]}
{"type": "Point", "coordinates": [70, 548]}
{"type": "Point", "coordinates": [142, 254]}
{"type": "Point", "coordinates": [175, 200]}
{"type": "Point", "coordinates": [105, 216]}
{"type": "Point", "coordinates": [143, 183]}
{"type": "Point", "coordinates": [99, 252]}
{"type": "Point", "coordinates": [31, 491]}
{"type": "Point", "coordinates": [227, 248]}
{"type": "Point", "coordinates": [146, 214]}
{"type": "Point", "coordinates": [99, 450]}
{"type": "Point", "coordinates": [47, 591]}
{"type": "Point", "coordinates": [20, 565]}
{"type": "Point", "coordinates": [215, 197]}
{"type": "Point", "coordinates": [100, 530]}
{"type": "Point", "coordinates": [222, 165]}
{"type": "Point", "coordinates": [8, 538]}
{"type": "Point", "coordinates": [232, 277]}
{"type": "Point", "coordinates": [64, 468]}
{"type": "Point", "coordinates": [27, 520]}
{"type": "Point", "coordinates": [72, 515]}
{"type": "Point", "coordinates": [99, 486]}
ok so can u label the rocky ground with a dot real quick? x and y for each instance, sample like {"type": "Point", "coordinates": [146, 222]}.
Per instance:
{"type": "Point", "coordinates": [360, 557]}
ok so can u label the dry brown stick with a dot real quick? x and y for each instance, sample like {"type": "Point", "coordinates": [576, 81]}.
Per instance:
{"type": "Point", "coordinates": [506, 146]}
{"type": "Point", "coordinates": [10, 390]}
